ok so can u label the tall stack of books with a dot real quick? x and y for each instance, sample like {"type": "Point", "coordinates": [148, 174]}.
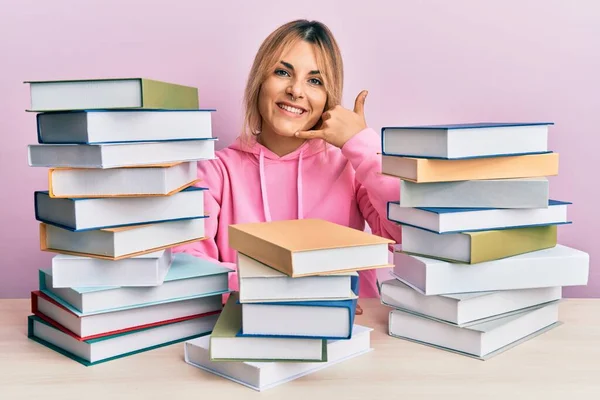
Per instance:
{"type": "Point", "coordinates": [480, 269]}
{"type": "Point", "coordinates": [294, 312]}
{"type": "Point", "coordinates": [122, 192]}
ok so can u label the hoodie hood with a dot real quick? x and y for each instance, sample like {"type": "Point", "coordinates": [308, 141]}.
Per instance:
{"type": "Point", "coordinates": [259, 152]}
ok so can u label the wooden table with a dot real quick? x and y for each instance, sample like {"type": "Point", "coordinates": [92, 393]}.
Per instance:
{"type": "Point", "coordinates": [562, 363]}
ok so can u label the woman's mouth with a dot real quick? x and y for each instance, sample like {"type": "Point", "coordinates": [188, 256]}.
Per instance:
{"type": "Point", "coordinates": [291, 110]}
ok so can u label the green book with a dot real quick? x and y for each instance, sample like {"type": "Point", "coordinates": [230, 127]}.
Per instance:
{"type": "Point", "coordinates": [477, 247]}
{"type": "Point", "coordinates": [111, 94]}
{"type": "Point", "coordinates": [226, 345]}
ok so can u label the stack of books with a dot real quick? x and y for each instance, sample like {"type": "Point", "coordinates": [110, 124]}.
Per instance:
{"type": "Point", "coordinates": [122, 192]}
{"type": "Point", "coordinates": [480, 269]}
{"type": "Point", "coordinates": [294, 312]}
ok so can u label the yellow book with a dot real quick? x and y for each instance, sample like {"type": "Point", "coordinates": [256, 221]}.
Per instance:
{"type": "Point", "coordinates": [477, 247]}
{"type": "Point", "coordinates": [309, 246]}
{"type": "Point", "coordinates": [440, 170]}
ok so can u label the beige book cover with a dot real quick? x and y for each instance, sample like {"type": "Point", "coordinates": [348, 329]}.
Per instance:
{"type": "Point", "coordinates": [439, 170]}
{"type": "Point", "coordinates": [277, 243]}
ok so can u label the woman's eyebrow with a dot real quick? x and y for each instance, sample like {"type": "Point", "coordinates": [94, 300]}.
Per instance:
{"type": "Point", "coordinates": [290, 66]}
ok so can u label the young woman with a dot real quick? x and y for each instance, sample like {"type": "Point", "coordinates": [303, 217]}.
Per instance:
{"type": "Point", "coordinates": [301, 155]}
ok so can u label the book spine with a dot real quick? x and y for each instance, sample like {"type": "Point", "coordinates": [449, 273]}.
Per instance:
{"type": "Point", "coordinates": [163, 95]}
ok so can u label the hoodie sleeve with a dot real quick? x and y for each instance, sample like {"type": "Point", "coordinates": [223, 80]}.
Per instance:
{"type": "Point", "coordinates": [373, 190]}
{"type": "Point", "coordinates": [212, 176]}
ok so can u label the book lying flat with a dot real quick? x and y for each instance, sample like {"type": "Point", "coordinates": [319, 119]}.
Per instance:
{"type": "Point", "coordinates": [107, 93]}
{"type": "Point", "coordinates": [121, 242]}
{"type": "Point", "coordinates": [482, 341]}
{"type": "Point", "coordinates": [262, 376]}
{"type": "Point", "coordinates": [310, 319]}
{"type": "Point", "coordinates": [94, 351]}
{"type": "Point", "coordinates": [110, 212]}
{"type": "Point", "coordinates": [453, 220]}
{"type": "Point", "coordinates": [306, 247]}
{"type": "Point", "coordinates": [478, 247]}
{"type": "Point", "coordinates": [557, 266]}
{"type": "Point", "coordinates": [226, 345]}
{"type": "Point", "coordinates": [110, 323]}
{"type": "Point", "coordinates": [135, 181]}
{"type": "Point", "coordinates": [189, 277]}
{"type": "Point", "coordinates": [116, 155]}
{"type": "Point", "coordinates": [455, 141]}
{"type": "Point", "coordinates": [120, 126]}
{"type": "Point", "coordinates": [421, 170]}
{"type": "Point", "coordinates": [465, 309]}
{"type": "Point", "coordinates": [259, 283]}
{"type": "Point", "coordinates": [483, 193]}
{"type": "Point", "coordinates": [144, 271]}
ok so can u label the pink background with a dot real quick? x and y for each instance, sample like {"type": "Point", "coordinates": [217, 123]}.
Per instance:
{"type": "Point", "coordinates": [423, 62]}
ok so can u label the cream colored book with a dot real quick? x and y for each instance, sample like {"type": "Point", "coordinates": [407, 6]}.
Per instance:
{"type": "Point", "coordinates": [309, 246]}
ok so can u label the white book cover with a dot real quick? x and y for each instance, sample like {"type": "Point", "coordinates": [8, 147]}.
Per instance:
{"type": "Point", "coordinates": [483, 193]}
{"type": "Point", "coordinates": [119, 126]}
{"type": "Point", "coordinates": [78, 271]}
{"type": "Point", "coordinates": [468, 140]}
{"type": "Point", "coordinates": [465, 309]}
{"type": "Point", "coordinates": [482, 341]}
{"type": "Point", "coordinates": [262, 376]}
{"type": "Point", "coordinates": [114, 155]}
{"type": "Point", "coordinates": [557, 266]}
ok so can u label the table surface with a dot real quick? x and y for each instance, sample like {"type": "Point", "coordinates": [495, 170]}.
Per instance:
{"type": "Point", "coordinates": [561, 363]}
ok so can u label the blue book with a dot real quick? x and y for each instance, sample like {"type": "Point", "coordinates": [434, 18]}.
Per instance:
{"type": "Point", "coordinates": [189, 277]}
{"type": "Point", "coordinates": [453, 220]}
{"type": "Point", "coordinates": [123, 126]}
{"type": "Point", "coordinates": [308, 319]}
{"type": "Point", "coordinates": [85, 214]}
{"type": "Point", "coordinates": [463, 141]}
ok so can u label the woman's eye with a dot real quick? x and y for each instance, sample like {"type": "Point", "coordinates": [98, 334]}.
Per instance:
{"type": "Point", "coordinates": [281, 72]}
{"type": "Point", "coordinates": [315, 81]}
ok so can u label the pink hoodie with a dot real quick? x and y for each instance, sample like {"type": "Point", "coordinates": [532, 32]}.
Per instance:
{"type": "Point", "coordinates": [254, 184]}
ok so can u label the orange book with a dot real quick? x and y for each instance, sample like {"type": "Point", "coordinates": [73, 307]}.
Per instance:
{"type": "Point", "coordinates": [441, 170]}
{"type": "Point", "coordinates": [309, 246]}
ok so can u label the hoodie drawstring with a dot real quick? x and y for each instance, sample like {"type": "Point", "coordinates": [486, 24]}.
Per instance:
{"type": "Point", "coordinates": [263, 186]}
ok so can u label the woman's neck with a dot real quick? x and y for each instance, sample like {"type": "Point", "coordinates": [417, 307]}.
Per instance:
{"type": "Point", "coordinates": [280, 145]}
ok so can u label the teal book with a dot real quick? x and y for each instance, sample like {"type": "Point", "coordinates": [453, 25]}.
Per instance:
{"type": "Point", "coordinates": [189, 277]}
{"type": "Point", "coordinates": [95, 351]}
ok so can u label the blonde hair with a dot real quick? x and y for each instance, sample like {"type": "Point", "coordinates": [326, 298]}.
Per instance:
{"type": "Point", "coordinates": [329, 62]}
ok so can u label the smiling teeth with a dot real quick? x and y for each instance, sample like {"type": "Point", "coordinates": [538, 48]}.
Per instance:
{"type": "Point", "coordinates": [291, 109]}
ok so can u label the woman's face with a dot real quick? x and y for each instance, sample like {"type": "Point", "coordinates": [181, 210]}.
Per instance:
{"type": "Point", "coordinates": [293, 97]}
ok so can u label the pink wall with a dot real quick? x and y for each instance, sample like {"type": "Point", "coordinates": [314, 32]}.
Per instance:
{"type": "Point", "coordinates": [422, 62]}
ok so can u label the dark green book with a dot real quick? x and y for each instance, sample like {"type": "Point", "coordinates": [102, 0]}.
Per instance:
{"type": "Point", "coordinates": [110, 94]}
{"type": "Point", "coordinates": [226, 345]}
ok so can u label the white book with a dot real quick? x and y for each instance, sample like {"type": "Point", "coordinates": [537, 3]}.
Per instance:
{"type": "Point", "coordinates": [94, 351]}
{"type": "Point", "coordinates": [121, 242]}
{"type": "Point", "coordinates": [484, 193]}
{"type": "Point", "coordinates": [448, 220]}
{"type": "Point", "coordinates": [481, 341]}
{"type": "Point", "coordinates": [465, 309]}
{"type": "Point", "coordinates": [189, 277]}
{"type": "Point", "coordinates": [557, 266]}
{"type": "Point", "coordinates": [113, 126]}
{"type": "Point", "coordinates": [110, 212]}
{"type": "Point", "coordinates": [77, 271]}
{"type": "Point", "coordinates": [114, 155]}
{"type": "Point", "coordinates": [262, 376]}
{"type": "Point", "coordinates": [103, 324]}
{"type": "Point", "coordinates": [261, 283]}
{"type": "Point", "coordinates": [466, 140]}
{"type": "Point", "coordinates": [110, 93]}
{"type": "Point", "coordinates": [160, 180]}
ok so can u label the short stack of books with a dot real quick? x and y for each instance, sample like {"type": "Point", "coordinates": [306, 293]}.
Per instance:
{"type": "Point", "coordinates": [122, 192]}
{"type": "Point", "coordinates": [294, 312]}
{"type": "Point", "coordinates": [479, 270]}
